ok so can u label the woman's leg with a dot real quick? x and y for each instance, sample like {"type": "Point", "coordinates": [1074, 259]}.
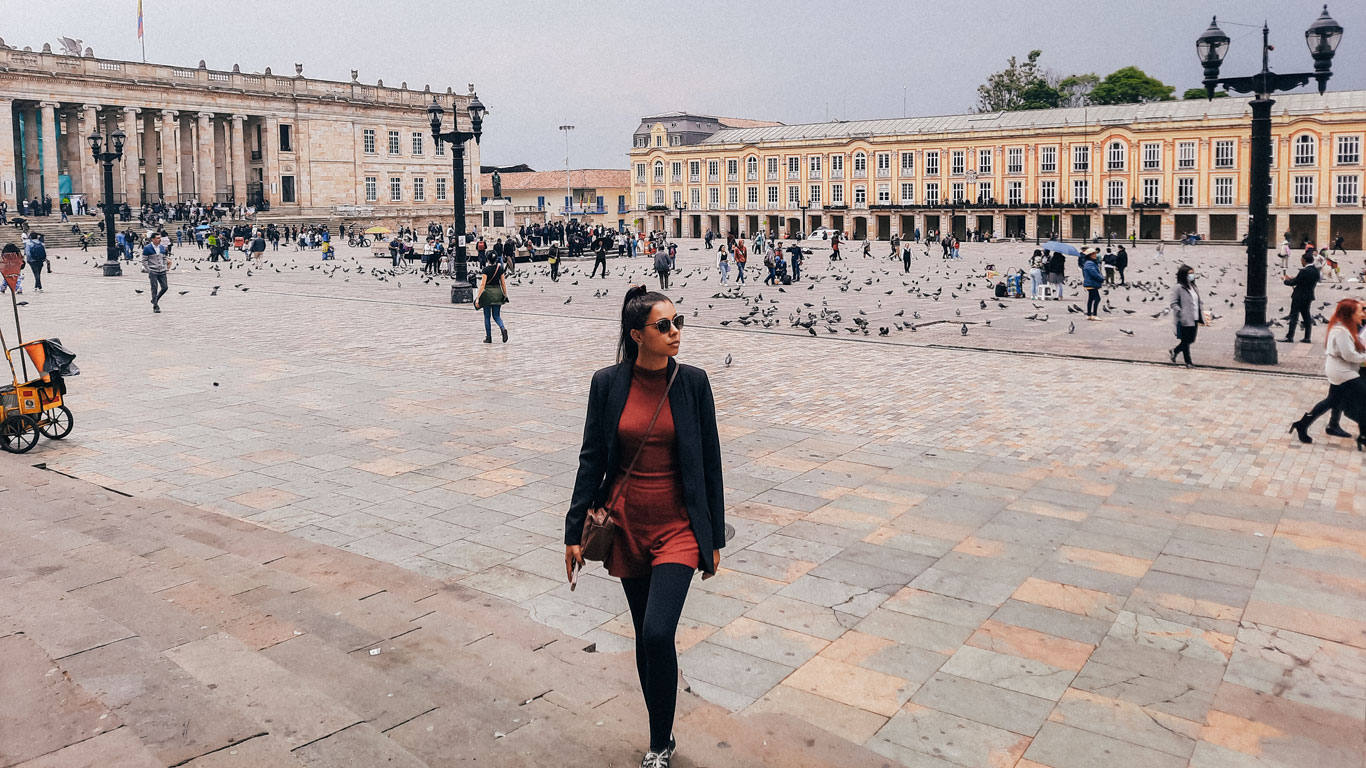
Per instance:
{"type": "Point", "coordinates": [1187, 339]}
{"type": "Point", "coordinates": [497, 316]}
{"type": "Point", "coordinates": [1326, 404]}
{"type": "Point", "coordinates": [488, 316]}
{"type": "Point", "coordinates": [656, 603]}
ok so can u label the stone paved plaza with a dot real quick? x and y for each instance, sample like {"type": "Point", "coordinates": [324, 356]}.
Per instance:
{"type": "Point", "coordinates": [1074, 556]}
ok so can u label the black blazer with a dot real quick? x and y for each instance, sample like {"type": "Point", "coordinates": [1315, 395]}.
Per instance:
{"type": "Point", "coordinates": [1303, 283]}
{"type": "Point", "coordinates": [696, 440]}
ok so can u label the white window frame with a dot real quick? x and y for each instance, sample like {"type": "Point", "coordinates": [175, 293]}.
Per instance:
{"type": "Point", "coordinates": [640, 173]}
{"type": "Point", "coordinates": [659, 172]}
{"type": "Point", "coordinates": [713, 170]}
{"type": "Point", "coordinates": [659, 193]}
{"type": "Point", "coordinates": [1348, 150]}
{"type": "Point", "coordinates": [837, 194]}
{"type": "Point", "coordinates": [1081, 158]}
{"type": "Point", "coordinates": [815, 199]}
{"type": "Point", "coordinates": [733, 198]}
{"type": "Point", "coordinates": [1347, 189]}
{"type": "Point", "coordinates": [794, 167]}
{"type": "Point", "coordinates": [640, 197]}
{"type": "Point", "coordinates": [794, 195]}
{"type": "Point", "coordinates": [908, 163]}
{"type": "Point", "coordinates": [694, 171]}
{"type": "Point", "coordinates": [1306, 150]}
{"type": "Point", "coordinates": [395, 143]}
{"type": "Point", "coordinates": [957, 192]}
{"type": "Point", "coordinates": [1081, 190]}
{"type": "Point", "coordinates": [958, 162]}
{"type": "Point", "coordinates": [1048, 159]}
{"type": "Point", "coordinates": [931, 193]}
{"type": "Point", "coordinates": [1116, 156]}
{"type": "Point", "coordinates": [1303, 188]}
{"type": "Point", "coordinates": [1225, 153]}
{"type": "Point", "coordinates": [1014, 160]}
{"type": "Point", "coordinates": [1223, 191]}
{"type": "Point", "coordinates": [837, 166]}
{"type": "Point", "coordinates": [1152, 190]}
{"type": "Point", "coordinates": [752, 168]}
{"type": "Point", "coordinates": [713, 198]}
{"type": "Point", "coordinates": [860, 165]}
{"type": "Point", "coordinates": [417, 144]}
{"type": "Point", "coordinates": [676, 171]}
{"type": "Point", "coordinates": [695, 198]}
{"type": "Point", "coordinates": [371, 189]}
{"type": "Point", "coordinates": [368, 141]}
{"type": "Point", "coordinates": [441, 188]}
{"type": "Point", "coordinates": [419, 189]}
{"type": "Point", "coordinates": [395, 189]}
{"type": "Point", "coordinates": [1048, 192]}
{"type": "Point", "coordinates": [984, 161]}
{"type": "Point", "coordinates": [860, 196]}
{"type": "Point", "coordinates": [932, 162]}
{"type": "Point", "coordinates": [1014, 194]}
{"type": "Point", "coordinates": [884, 194]}
{"type": "Point", "coordinates": [732, 169]}
{"type": "Point", "coordinates": [813, 167]}
{"type": "Point", "coordinates": [883, 165]}
{"type": "Point", "coordinates": [1186, 152]}
{"type": "Point", "coordinates": [907, 193]}
{"type": "Point", "coordinates": [772, 195]}
{"type": "Point", "coordinates": [1185, 191]}
{"type": "Point", "coordinates": [1115, 193]}
{"type": "Point", "coordinates": [752, 195]}
{"type": "Point", "coordinates": [1152, 156]}
{"type": "Point", "coordinates": [984, 191]}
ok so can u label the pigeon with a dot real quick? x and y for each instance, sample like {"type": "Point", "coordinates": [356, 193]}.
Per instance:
{"type": "Point", "coordinates": [728, 360]}
{"type": "Point", "coordinates": [1071, 327]}
{"type": "Point", "coordinates": [1126, 332]}
{"type": "Point", "coordinates": [571, 298]}
{"type": "Point", "coordinates": [182, 293]}
{"type": "Point", "coordinates": [137, 290]}
{"type": "Point", "coordinates": [965, 329]}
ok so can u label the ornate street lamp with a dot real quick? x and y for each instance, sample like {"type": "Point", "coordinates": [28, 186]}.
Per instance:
{"type": "Point", "coordinates": [680, 206]}
{"type": "Point", "coordinates": [461, 290]}
{"type": "Point", "coordinates": [1254, 342]}
{"type": "Point", "coordinates": [107, 158]}
{"type": "Point", "coordinates": [802, 223]}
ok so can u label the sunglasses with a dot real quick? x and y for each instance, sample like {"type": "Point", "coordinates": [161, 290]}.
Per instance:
{"type": "Point", "coordinates": [662, 324]}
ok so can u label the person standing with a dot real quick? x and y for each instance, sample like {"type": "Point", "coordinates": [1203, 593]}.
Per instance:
{"type": "Point", "coordinates": [1345, 354]}
{"type": "Point", "coordinates": [1036, 267]}
{"type": "Point", "coordinates": [1121, 263]}
{"type": "Point", "coordinates": [1092, 280]}
{"type": "Point", "coordinates": [1110, 264]}
{"type": "Point", "coordinates": [796, 256]}
{"type": "Point", "coordinates": [491, 297]}
{"type": "Point", "coordinates": [662, 268]}
{"type": "Point", "coordinates": [905, 258]}
{"type": "Point", "coordinates": [722, 262]}
{"type": "Point", "coordinates": [36, 258]}
{"type": "Point", "coordinates": [258, 247]}
{"type": "Point", "coordinates": [1301, 296]}
{"type": "Point", "coordinates": [741, 259]}
{"type": "Point", "coordinates": [155, 259]}
{"type": "Point", "coordinates": [651, 456]}
{"type": "Point", "coordinates": [771, 265]}
{"type": "Point", "coordinates": [599, 260]}
{"type": "Point", "coordinates": [1057, 266]}
{"type": "Point", "coordinates": [553, 258]}
{"type": "Point", "coordinates": [896, 245]}
{"type": "Point", "coordinates": [1187, 313]}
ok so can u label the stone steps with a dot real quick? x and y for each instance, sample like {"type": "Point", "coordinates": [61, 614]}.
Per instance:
{"type": "Point", "coordinates": [147, 633]}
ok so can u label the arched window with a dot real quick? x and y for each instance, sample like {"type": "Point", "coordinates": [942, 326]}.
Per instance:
{"type": "Point", "coordinates": [659, 170]}
{"type": "Point", "coordinates": [860, 162]}
{"type": "Point", "coordinates": [1306, 150]}
{"type": "Point", "coordinates": [751, 168]}
{"type": "Point", "coordinates": [1116, 156]}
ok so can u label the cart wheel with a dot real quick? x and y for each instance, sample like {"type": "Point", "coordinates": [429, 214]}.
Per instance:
{"type": "Point", "coordinates": [18, 434]}
{"type": "Point", "coordinates": [56, 423]}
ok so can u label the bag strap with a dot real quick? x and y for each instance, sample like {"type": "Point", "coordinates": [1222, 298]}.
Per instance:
{"type": "Point", "coordinates": [627, 480]}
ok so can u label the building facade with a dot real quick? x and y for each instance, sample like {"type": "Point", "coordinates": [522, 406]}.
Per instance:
{"type": "Point", "coordinates": [302, 146]}
{"type": "Point", "coordinates": [1159, 170]}
{"type": "Point", "coordinates": [593, 196]}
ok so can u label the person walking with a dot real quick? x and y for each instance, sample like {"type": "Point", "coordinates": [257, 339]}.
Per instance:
{"type": "Point", "coordinates": [553, 258]}
{"type": "Point", "coordinates": [1301, 296]}
{"type": "Point", "coordinates": [1121, 263]}
{"type": "Point", "coordinates": [771, 265]}
{"type": "Point", "coordinates": [741, 260]}
{"type": "Point", "coordinates": [1337, 245]}
{"type": "Point", "coordinates": [722, 262]}
{"type": "Point", "coordinates": [1187, 313]}
{"type": "Point", "coordinates": [258, 247]}
{"type": "Point", "coordinates": [662, 268]}
{"type": "Point", "coordinates": [1057, 266]}
{"type": "Point", "coordinates": [651, 458]}
{"type": "Point", "coordinates": [1037, 262]}
{"type": "Point", "coordinates": [1284, 255]}
{"type": "Point", "coordinates": [37, 258]}
{"type": "Point", "coordinates": [156, 261]}
{"type": "Point", "coordinates": [491, 296]}
{"type": "Point", "coordinates": [1110, 263]}
{"type": "Point", "coordinates": [1092, 280]}
{"type": "Point", "coordinates": [1344, 355]}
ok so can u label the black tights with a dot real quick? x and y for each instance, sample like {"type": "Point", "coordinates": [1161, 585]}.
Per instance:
{"type": "Point", "coordinates": [656, 602]}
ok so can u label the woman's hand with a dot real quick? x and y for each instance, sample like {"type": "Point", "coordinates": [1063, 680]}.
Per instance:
{"type": "Point", "coordinates": [715, 564]}
{"type": "Point", "coordinates": [573, 557]}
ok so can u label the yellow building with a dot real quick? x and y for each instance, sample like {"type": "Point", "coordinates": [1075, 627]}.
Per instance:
{"type": "Point", "coordinates": [595, 196]}
{"type": "Point", "coordinates": [1163, 170]}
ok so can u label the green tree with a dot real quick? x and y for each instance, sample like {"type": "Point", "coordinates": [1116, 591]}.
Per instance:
{"type": "Point", "coordinates": [1130, 85]}
{"type": "Point", "coordinates": [1199, 93]}
{"type": "Point", "coordinates": [1039, 95]}
{"type": "Point", "coordinates": [1075, 90]}
{"type": "Point", "coordinates": [1004, 91]}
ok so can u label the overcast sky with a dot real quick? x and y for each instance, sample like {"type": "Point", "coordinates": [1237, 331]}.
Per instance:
{"type": "Point", "coordinates": [604, 64]}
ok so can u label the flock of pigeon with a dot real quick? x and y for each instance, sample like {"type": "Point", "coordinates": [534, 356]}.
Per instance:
{"type": "Point", "coordinates": [858, 296]}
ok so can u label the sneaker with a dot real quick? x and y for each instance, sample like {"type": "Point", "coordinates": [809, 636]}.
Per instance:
{"type": "Point", "coordinates": [156, 310]}
{"type": "Point", "coordinates": [660, 759]}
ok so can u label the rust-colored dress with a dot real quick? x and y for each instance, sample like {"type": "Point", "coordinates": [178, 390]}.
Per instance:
{"type": "Point", "coordinates": [653, 524]}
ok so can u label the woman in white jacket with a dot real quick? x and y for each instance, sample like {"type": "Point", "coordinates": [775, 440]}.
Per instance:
{"type": "Point", "coordinates": [1345, 355]}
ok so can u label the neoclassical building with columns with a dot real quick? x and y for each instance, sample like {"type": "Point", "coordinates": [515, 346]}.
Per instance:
{"type": "Point", "coordinates": [1158, 170]}
{"type": "Point", "coordinates": [302, 146]}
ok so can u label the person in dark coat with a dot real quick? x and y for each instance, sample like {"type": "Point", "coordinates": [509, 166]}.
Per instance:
{"type": "Point", "coordinates": [670, 519]}
{"type": "Point", "coordinates": [1121, 263]}
{"type": "Point", "coordinates": [1302, 296]}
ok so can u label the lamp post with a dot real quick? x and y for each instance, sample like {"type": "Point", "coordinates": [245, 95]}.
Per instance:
{"type": "Point", "coordinates": [461, 290]}
{"type": "Point", "coordinates": [568, 192]}
{"type": "Point", "coordinates": [1255, 343]}
{"type": "Point", "coordinates": [802, 223]}
{"type": "Point", "coordinates": [680, 206]}
{"type": "Point", "coordinates": [107, 158]}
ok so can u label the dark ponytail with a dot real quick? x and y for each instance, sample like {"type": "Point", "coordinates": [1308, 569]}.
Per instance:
{"type": "Point", "coordinates": [635, 309]}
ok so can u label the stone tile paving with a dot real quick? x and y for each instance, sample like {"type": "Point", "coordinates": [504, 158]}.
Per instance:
{"type": "Point", "coordinates": [952, 556]}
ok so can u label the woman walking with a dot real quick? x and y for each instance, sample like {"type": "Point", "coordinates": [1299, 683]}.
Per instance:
{"type": "Point", "coordinates": [491, 296]}
{"type": "Point", "coordinates": [722, 263]}
{"type": "Point", "coordinates": [651, 457]}
{"type": "Point", "coordinates": [1345, 355]}
{"type": "Point", "coordinates": [1187, 313]}
{"type": "Point", "coordinates": [662, 268]}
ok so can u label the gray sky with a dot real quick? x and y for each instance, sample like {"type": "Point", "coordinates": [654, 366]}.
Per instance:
{"type": "Point", "coordinates": [604, 64]}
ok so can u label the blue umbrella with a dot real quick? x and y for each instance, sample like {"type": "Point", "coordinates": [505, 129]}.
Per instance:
{"type": "Point", "coordinates": [201, 227]}
{"type": "Point", "coordinates": [1063, 248]}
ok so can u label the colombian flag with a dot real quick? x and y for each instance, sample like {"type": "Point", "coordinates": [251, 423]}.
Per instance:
{"type": "Point", "coordinates": [139, 19]}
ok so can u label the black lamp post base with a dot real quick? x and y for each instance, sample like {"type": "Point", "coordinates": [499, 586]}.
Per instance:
{"type": "Point", "coordinates": [463, 293]}
{"type": "Point", "coordinates": [113, 269]}
{"type": "Point", "coordinates": [1255, 345]}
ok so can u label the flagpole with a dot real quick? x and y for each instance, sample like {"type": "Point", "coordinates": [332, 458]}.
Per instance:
{"type": "Point", "coordinates": [142, 40]}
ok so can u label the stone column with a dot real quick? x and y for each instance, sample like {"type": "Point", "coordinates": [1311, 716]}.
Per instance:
{"type": "Point", "coordinates": [203, 173]}
{"type": "Point", "coordinates": [8, 168]}
{"type": "Point", "coordinates": [33, 172]}
{"type": "Point", "coordinates": [170, 157]}
{"type": "Point", "coordinates": [92, 175]}
{"type": "Point", "coordinates": [270, 162]}
{"type": "Point", "coordinates": [132, 167]}
{"type": "Point", "coordinates": [239, 160]}
{"type": "Point", "coordinates": [50, 171]}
